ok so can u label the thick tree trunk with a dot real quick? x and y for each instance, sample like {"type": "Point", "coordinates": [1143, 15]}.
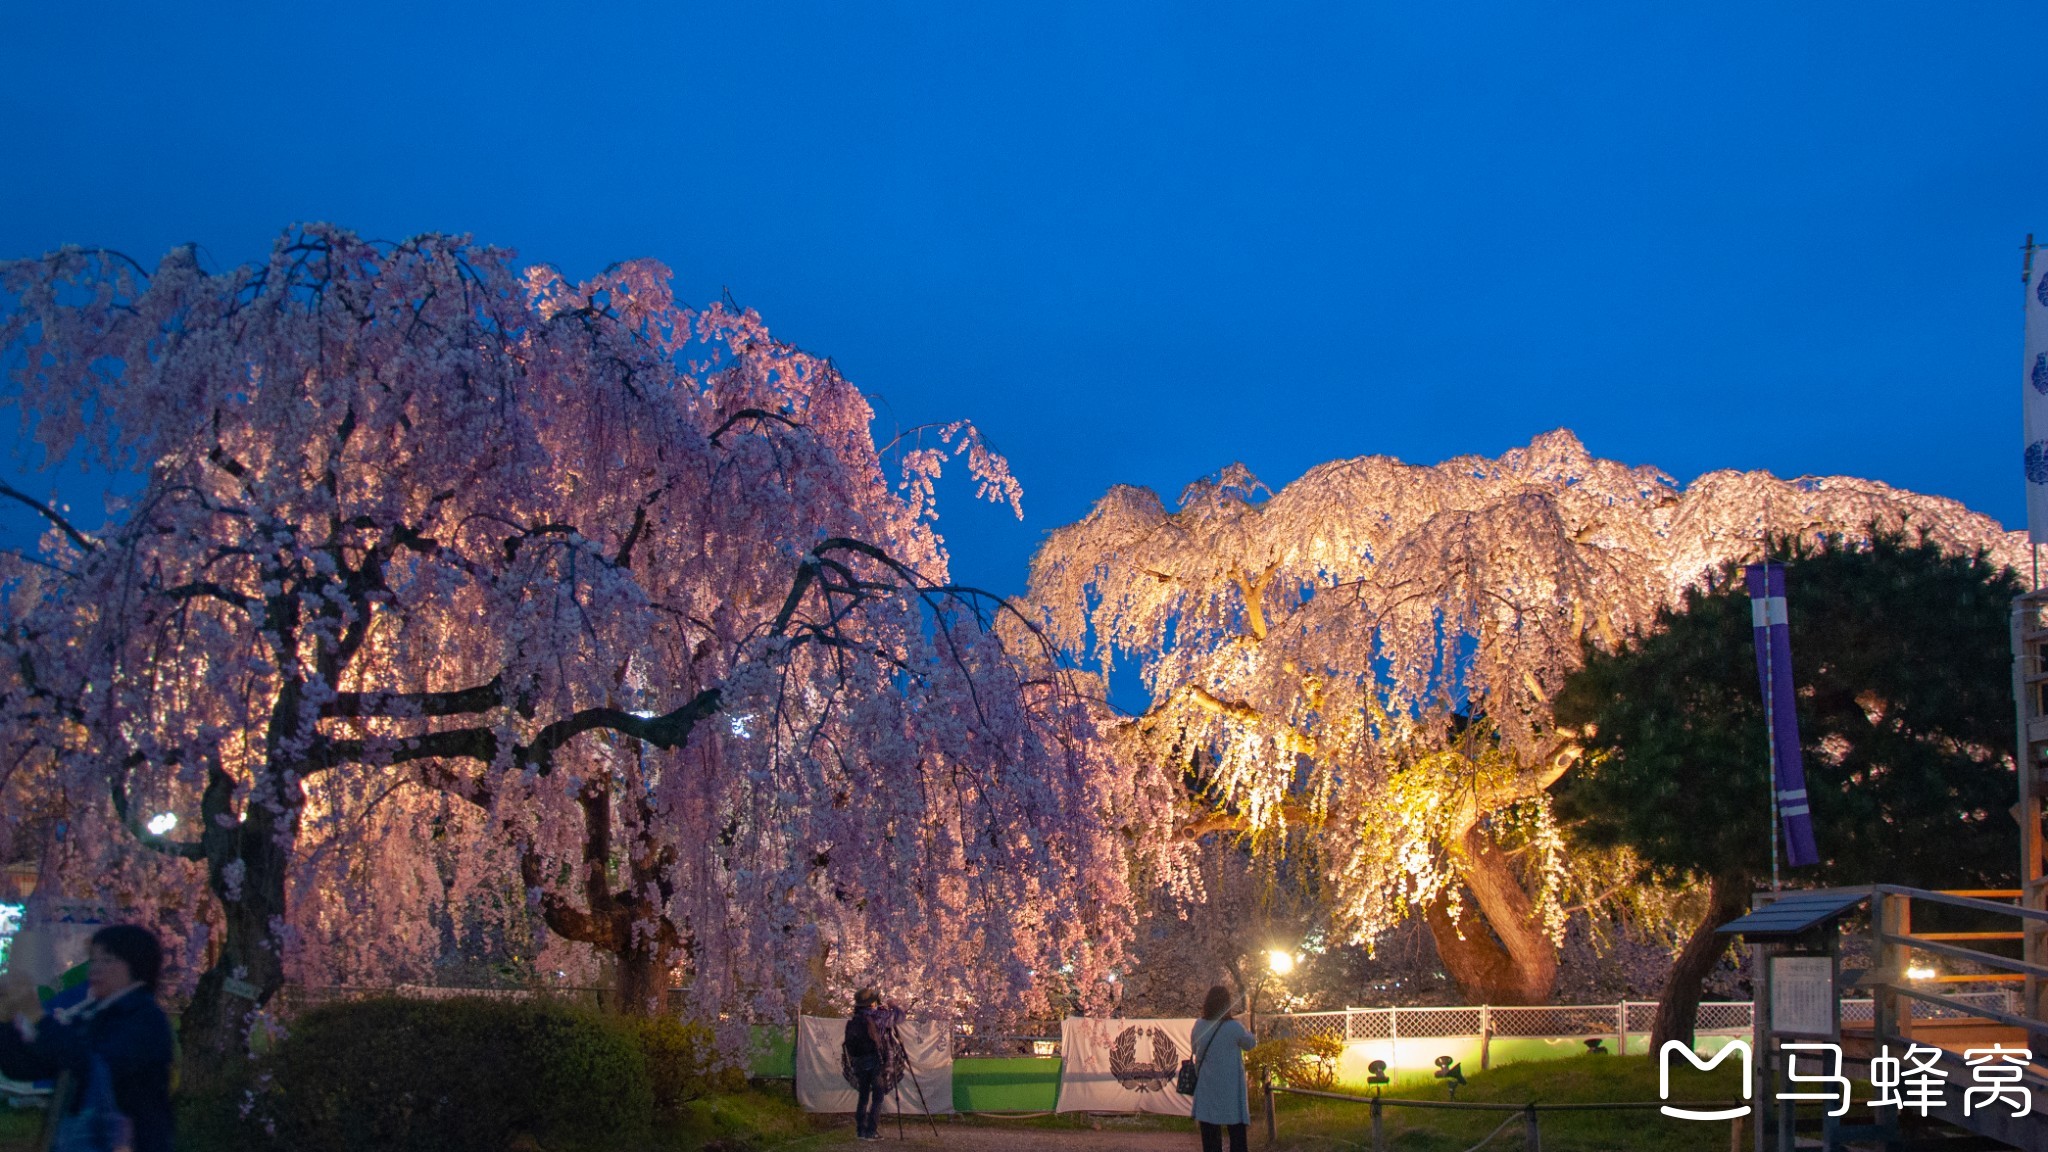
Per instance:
{"type": "Point", "coordinates": [615, 921]}
{"type": "Point", "coordinates": [1495, 951]}
{"type": "Point", "coordinates": [250, 967]}
{"type": "Point", "coordinates": [643, 983]}
{"type": "Point", "coordinates": [1475, 961]}
{"type": "Point", "coordinates": [1679, 1004]}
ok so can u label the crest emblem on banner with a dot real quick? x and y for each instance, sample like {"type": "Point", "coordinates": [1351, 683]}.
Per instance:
{"type": "Point", "coordinates": [1156, 1071]}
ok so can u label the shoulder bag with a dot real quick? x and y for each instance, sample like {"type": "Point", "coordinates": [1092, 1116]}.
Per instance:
{"type": "Point", "coordinates": [1191, 1070]}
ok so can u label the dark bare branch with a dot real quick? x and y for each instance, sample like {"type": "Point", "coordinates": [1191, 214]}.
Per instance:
{"type": "Point", "coordinates": [51, 514]}
{"type": "Point", "coordinates": [196, 589]}
{"type": "Point", "coordinates": [118, 787]}
{"type": "Point", "coordinates": [460, 702]}
{"type": "Point", "coordinates": [756, 414]}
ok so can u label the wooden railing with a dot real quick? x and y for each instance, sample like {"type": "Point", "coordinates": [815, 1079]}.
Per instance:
{"type": "Point", "coordinates": [1892, 929]}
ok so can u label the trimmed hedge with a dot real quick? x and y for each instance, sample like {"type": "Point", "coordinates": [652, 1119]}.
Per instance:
{"type": "Point", "coordinates": [461, 1075]}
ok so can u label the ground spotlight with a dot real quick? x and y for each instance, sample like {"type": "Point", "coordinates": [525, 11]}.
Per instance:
{"type": "Point", "coordinates": [1451, 1071]}
{"type": "Point", "coordinates": [1376, 1072]}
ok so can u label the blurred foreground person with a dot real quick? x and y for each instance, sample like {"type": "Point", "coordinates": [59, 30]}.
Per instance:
{"type": "Point", "coordinates": [114, 1049]}
{"type": "Point", "coordinates": [1220, 1045]}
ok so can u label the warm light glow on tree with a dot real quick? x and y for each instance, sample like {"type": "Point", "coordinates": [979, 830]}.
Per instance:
{"type": "Point", "coordinates": [1372, 650]}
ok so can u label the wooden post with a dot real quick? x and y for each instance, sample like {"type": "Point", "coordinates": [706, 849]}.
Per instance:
{"type": "Point", "coordinates": [1485, 1037]}
{"type": "Point", "coordinates": [1272, 1129]}
{"type": "Point", "coordinates": [1886, 912]}
{"type": "Point", "coordinates": [1379, 1132]}
{"type": "Point", "coordinates": [2029, 662]}
{"type": "Point", "coordinates": [1531, 1138]}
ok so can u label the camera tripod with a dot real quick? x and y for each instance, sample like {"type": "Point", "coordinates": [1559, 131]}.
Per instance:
{"type": "Point", "coordinates": [910, 1074]}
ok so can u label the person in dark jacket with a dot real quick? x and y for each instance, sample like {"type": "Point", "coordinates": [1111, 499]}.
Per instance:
{"type": "Point", "coordinates": [865, 1049]}
{"type": "Point", "coordinates": [120, 1023]}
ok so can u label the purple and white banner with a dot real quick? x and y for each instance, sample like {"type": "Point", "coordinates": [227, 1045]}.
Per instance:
{"type": "Point", "coordinates": [1774, 671]}
{"type": "Point", "coordinates": [2034, 373]}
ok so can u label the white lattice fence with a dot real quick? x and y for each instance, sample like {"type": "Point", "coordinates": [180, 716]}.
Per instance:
{"type": "Point", "coordinates": [1642, 1015]}
{"type": "Point", "coordinates": [1735, 1017]}
{"type": "Point", "coordinates": [1568, 1020]}
{"type": "Point", "coordinates": [1419, 1023]}
{"type": "Point", "coordinates": [1369, 1024]}
{"type": "Point", "coordinates": [1308, 1025]}
{"type": "Point", "coordinates": [1550, 1020]}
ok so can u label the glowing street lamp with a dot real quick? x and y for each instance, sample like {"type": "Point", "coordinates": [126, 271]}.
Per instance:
{"type": "Point", "coordinates": [162, 823]}
{"type": "Point", "coordinates": [1280, 962]}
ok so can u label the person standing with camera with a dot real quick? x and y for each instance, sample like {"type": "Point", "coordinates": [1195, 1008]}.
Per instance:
{"type": "Point", "coordinates": [866, 1037]}
{"type": "Point", "coordinates": [1220, 1100]}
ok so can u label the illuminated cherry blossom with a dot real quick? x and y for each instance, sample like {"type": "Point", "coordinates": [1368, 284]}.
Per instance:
{"type": "Point", "coordinates": [1371, 651]}
{"type": "Point", "coordinates": [449, 579]}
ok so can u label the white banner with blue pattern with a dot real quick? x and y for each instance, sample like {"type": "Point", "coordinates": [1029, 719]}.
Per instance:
{"type": "Point", "coordinates": [917, 1076]}
{"type": "Point", "coordinates": [1124, 1065]}
{"type": "Point", "coordinates": [2036, 392]}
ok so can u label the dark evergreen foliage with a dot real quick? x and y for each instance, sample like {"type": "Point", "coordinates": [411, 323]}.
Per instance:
{"type": "Point", "coordinates": [1904, 667]}
{"type": "Point", "coordinates": [1903, 662]}
{"type": "Point", "coordinates": [462, 1075]}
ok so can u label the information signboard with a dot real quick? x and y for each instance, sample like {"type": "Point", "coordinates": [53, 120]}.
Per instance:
{"type": "Point", "coordinates": [1803, 996]}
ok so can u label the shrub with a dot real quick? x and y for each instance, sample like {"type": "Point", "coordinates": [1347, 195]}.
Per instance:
{"type": "Point", "coordinates": [1316, 1065]}
{"type": "Point", "coordinates": [1297, 1061]}
{"type": "Point", "coordinates": [1269, 1059]}
{"type": "Point", "coordinates": [681, 1064]}
{"type": "Point", "coordinates": [462, 1075]}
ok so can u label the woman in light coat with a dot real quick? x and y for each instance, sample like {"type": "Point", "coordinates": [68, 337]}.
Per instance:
{"type": "Point", "coordinates": [1220, 1099]}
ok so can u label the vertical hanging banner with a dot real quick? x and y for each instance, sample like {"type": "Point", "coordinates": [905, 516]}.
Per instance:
{"type": "Point", "coordinates": [1774, 672]}
{"type": "Point", "coordinates": [2034, 390]}
{"type": "Point", "coordinates": [917, 1071]}
{"type": "Point", "coordinates": [1124, 1065]}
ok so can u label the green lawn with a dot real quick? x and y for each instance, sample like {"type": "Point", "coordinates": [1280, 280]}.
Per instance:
{"type": "Point", "coordinates": [1310, 1125]}
{"type": "Point", "coordinates": [18, 1129]}
{"type": "Point", "coordinates": [767, 1117]}
{"type": "Point", "coordinates": [1306, 1123]}
{"type": "Point", "coordinates": [736, 1122]}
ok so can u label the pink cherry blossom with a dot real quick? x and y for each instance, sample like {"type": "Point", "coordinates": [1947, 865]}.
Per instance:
{"type": "Point", "coordinates": [459, 598]}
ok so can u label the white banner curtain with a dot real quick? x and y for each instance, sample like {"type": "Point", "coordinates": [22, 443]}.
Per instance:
{"type": "Point", "coordinates": [2034, 374]}
{"type": "Point", "coordinates": [822, 1084]}
{"type": "Point", "coordinates": [1124, 1065]}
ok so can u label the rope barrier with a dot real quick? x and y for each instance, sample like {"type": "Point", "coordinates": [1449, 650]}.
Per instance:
{"type": "Point", "coordinates": [1490, 1135]}
{"type": "Point", "coordinates": [1484, 1106]}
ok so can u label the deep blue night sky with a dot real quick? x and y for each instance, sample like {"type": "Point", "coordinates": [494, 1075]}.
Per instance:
{"type": "Point", "coordinates": [1137, 242]}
